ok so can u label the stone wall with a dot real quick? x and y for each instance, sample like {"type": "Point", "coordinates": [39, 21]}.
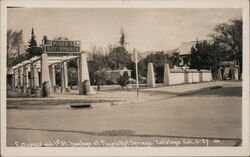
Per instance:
{"type": "Point", "coordinates": [179, 76]}
{"type": "Point", "coordinates": [176, 77]}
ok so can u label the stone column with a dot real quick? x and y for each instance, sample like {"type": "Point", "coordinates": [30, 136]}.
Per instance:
{"type": "Point", "coordinates": [219, 75]}
{"type": "Point", "coordinates": [45, 71]}
{"type": "Point", "coordinates": [151, 75]}
{"type": "Point", "coordinates": [62, 77]}
{"type": "Point", "coordinates": [52, 76]}
{"type": "Point", "coordinates": [65, 73]}
{"type": "Point", "coordinates": [78, 71]}
{"type": "Point", "coordinates": [166, 74]}
{"type": "Point", "coordinates": [25, 78]}
{"type": "Point", "coordinates": [236, 74]}
{"type": "Point", "coordinates": [34, 82]}
{"type": "Point", "coordinates": [20, 77]}
{"type": "Point", "coordinates": [16, 77]}
{"type": "Point", "coordinates": [13, 81]}
{"type": "Point", "coordinates": [36, 77]}
{"type": "Point", "coordinates": [32, 76]}
{"type": "Point", "coordinates": [28, 79]}
{"type": "Point", "coordinates": [84, 72]}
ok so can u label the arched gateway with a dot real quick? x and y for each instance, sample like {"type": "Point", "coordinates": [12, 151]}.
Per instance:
{"type": "Point", "coordinates": [55, 52]}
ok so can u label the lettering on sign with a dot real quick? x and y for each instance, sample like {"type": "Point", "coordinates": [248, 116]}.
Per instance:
{"type": "Point", "coordinates": [62, 46]}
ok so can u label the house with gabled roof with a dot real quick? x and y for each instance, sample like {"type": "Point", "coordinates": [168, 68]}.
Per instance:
{"type": "Point", "coordinates": [184, 51]}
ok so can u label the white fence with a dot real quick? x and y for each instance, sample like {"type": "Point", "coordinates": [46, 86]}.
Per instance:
{"type": "Point", "coordinates": [179, 76]}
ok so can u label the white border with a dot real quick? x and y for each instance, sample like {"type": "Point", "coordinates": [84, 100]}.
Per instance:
{"type": "Point", "coordinates": [156, 151]}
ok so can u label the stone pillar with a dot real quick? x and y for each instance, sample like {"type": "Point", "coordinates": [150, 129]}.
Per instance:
{"type": "Point", "coordinates": [36, 77]}
{"type": "Point", "coordinates": [25, 78]}
{"type": "Point", "coordinates": [32, 76]}
{"type": "Point", "coordinates": [151, 75]}
{"type": "Point", "coordinates": [34, 81]}
{"type": "Point", "coordinates": [236, 74]}
{"type": "Point", "coordinates": [45, 71]}
{"type": "Point", "coordinates": [20, 77]}
{"type": "Point", "coordinates": [52, 76]}
{"type": "Point", "coordinates": [13, 81]}
{"type": "Point", "coordinates": [166, 74]}
{"type": "Point", "coordinates": [62, 77]}
{"type": "Point", "coordinates": [211, 76]}
{"type": "Point", "coordinates": [65, 73]}
{"type": "Point", "coordinates": [78, 71]}
{"type": "Point", "coordinates": [219, 75]}
{"type": "Point", "coordinates": [84, 72]}
{"type": "Point", "coordinates": [28, 79]}
{"type": "Point", "coordinates": [15, 78]}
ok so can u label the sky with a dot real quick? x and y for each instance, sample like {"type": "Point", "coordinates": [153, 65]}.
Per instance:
{"type": "Point", "coordinates": [146, 29]}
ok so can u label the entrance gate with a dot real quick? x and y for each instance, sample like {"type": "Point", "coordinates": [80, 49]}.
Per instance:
{"type": "Point", "coordinates": [55, 52]}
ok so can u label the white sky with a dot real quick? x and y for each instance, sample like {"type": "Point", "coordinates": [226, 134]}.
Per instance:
{"type": "Point", "coordinates": [146, 29]}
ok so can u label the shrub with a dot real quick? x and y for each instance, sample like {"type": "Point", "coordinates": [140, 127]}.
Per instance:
{"type": "Point", "coordinates": [123, 80]}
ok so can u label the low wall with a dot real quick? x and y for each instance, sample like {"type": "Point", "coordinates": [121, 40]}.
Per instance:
{"type": "Point", "coordinates": [178, 76]}
{"type": "Point", "coordinates": [192, 76]}
{"type": "Point", "coordinates": [206, 76]}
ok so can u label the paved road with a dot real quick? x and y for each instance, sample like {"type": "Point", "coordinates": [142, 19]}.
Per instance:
{"type": "Point", "coordinates": [209, 117]}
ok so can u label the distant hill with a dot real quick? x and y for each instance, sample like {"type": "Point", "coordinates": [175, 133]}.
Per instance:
{"type": "Point", "coordinates": [144, 54]}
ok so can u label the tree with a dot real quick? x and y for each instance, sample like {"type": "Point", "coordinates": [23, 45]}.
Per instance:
{"type": "Point", "coordinates": [206, 55]}
{"type": "Point", "coordinates": [158, 59]}
{"type": "Point", "coordinates": [123, 80]}
{"type": "Point", "coordinates": [101, 77]}
{"type": "Point", "coordinates": [119, 57]}
{"type": "Point", "coordinates": [97, 62]}
{"type": "Point", "coordinates": [229, 38]}
{"type": "Point", "coordinates": [33, 49]}
{"type": "Point", "coordinates": [122, 39]}
{"type": "Point", "coordinates": [15, 46]}
{"type": "Point", "coordinates": [173, 59]}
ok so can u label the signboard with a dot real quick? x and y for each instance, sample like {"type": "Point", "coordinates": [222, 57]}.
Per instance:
{"type": "Point", "coordinates": [62, 46]}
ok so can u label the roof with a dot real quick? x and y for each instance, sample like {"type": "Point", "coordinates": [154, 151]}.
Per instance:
{"type": "Point", "coordinates": [185, 48]}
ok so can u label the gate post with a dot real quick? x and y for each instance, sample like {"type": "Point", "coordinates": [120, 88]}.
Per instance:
{"type": "Point", "coordinates": [151, 75]}
{"type": "Point", "coordinates": [84, 72]}
{"type": "Point", "coordinates": [62, 77]}
{"type": "Point", "coordinates": [166, 74]}
{"type": "Point", "coordinates": [65, 72]}
{"type": "Point", "coordinates": [25, 78]}
{"type": "Point", "coordinates": [45, 72]}
{"type": "Point", "coordinates": [52, 77]}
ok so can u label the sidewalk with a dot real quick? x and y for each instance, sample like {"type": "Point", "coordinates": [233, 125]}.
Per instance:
{"type": "Point", "coordinates": [117, 97]}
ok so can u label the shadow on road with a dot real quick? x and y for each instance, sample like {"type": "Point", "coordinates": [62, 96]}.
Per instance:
{"type": "Point", "coordinates": [221, 92]}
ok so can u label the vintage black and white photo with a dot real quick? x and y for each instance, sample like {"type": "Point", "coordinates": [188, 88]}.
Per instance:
{"type": "Point", "coordinates": [125, 77]}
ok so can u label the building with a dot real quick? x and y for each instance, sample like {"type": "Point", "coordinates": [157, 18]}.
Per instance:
{"type": "Point", "coordinates": [184, 51]}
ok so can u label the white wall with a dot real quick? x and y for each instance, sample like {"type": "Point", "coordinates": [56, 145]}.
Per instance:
{"type": "Point", "coordinates": [190, 77]}
{"type": "Point", "coordinates": [206, 76]}
{"type": "Point", "coordinates": [196, 77]}
{"type": "Point", "coordinates": [176, 78]}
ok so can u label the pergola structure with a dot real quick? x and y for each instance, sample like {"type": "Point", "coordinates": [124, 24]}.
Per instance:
{"type": "Point", "coordinates": [45, 64]}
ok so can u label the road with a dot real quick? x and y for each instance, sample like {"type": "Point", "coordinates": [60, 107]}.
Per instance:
{"type": "Point", "coordinates": [211, 117]}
